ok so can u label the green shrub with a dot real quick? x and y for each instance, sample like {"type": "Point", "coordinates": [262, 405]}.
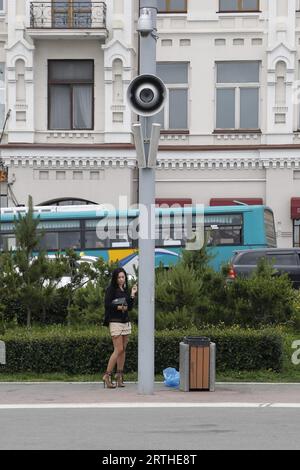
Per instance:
{"type": "Point", "coordinates": [86, 351]}
{"type": "Point", "coordinates": [177, 288]}
{"type": "Point", "coordinates": [261, 300]}
{"type": "Point", "coordinates": [295, 319]}
{"type": "Point", "coordinates": [178, 319]}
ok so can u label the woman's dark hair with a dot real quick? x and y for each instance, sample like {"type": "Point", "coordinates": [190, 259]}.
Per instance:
{"type": "Point", "coordinates": [114, 278]}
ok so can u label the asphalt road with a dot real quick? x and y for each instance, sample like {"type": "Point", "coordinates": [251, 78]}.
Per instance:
{"type": "Point", "coordinates": [87, 417]}
{"type": "Point", "coordinates": [151, 429]}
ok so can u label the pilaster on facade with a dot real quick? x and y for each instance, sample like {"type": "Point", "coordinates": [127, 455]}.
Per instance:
{"type": "Point", "coordinates": [119, 63]}
{"type": "Point", "coordinates": [20, 79]}
{"type": "Point", "coordinates": [281, 68]}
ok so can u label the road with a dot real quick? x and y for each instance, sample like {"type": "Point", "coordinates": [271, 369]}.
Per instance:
{"type": "Point", "coordinates": [84, 416]}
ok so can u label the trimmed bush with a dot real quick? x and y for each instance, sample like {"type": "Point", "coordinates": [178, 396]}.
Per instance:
{"type": "Point", "coordinates": [87, 352]}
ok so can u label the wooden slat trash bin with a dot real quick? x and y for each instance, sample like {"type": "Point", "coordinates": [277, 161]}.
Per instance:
{"type": "Point", "coordinates": [197, 364]}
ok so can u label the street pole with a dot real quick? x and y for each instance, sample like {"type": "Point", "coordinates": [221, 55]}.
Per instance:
{"type": "Point", "coordinates": [147, 216]}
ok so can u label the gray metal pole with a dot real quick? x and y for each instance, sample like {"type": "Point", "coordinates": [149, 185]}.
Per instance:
{"type": "Point", "coordinates": [146, 246]}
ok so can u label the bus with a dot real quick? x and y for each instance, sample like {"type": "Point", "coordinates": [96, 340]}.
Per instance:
{"type": "Point", "coordinates": [225, 228]}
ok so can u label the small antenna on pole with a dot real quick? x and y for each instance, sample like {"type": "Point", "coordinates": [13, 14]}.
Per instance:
{"type": "Point", "coordinates": [4, 125]}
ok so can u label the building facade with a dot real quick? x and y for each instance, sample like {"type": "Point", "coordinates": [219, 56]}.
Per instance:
{"type": "Point", "coordinates": [230, 126]}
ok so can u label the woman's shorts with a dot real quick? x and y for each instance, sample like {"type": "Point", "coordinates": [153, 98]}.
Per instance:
{"type": "Point", "coordinates": [117, 329]}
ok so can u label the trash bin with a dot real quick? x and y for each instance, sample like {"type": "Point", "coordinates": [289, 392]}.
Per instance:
{"type": "Point", "coordinates": [197, 364]}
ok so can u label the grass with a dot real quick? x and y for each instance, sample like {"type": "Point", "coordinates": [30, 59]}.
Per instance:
{"type": "Point", "coordinates": [230, 376]}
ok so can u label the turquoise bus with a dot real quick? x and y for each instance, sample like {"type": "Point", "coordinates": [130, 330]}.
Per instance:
{"type": "Point", "coordinates": [226, 229]}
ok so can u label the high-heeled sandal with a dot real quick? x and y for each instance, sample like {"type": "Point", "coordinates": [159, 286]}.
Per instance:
{"type": "Point", "coordinates": [119, 378]}
{"type": "Point", "coordinates": [107, 380]}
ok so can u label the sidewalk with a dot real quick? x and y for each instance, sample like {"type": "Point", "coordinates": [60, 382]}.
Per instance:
{"type": "Point", "coordinates": [52, 393]}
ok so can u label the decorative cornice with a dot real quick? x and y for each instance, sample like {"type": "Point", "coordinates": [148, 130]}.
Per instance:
{"type": "Point", "coordinates": [187, 161]}
{"type": "Point", "coordinates": [70, 162]}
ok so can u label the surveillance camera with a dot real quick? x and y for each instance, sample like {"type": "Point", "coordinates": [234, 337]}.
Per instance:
{"type": "Point", "coordinates": [146, 95]}
{"type": "Point", "coordinates": [145, 23]}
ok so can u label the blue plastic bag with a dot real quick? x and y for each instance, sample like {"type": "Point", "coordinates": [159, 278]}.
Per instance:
{"type": "Point", "coordinates": [172, 377]}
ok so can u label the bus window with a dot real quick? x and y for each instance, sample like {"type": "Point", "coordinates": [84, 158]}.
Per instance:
{"type": "Point", "coordinates": [270, 228]}
{"type": "Point", "coordinates": [49, 241]}
{"type": "Point", "coordinates": [218, 235]}
{"type": "Point", "coordinates": [69, 240]}
{"type": "Point", "coordinates": [91, 240]}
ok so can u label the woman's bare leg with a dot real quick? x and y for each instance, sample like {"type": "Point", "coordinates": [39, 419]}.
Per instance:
{"type": "Point", "coordinates": [121, 357]}
{"type": "Point", "coordinates": [118, 351]}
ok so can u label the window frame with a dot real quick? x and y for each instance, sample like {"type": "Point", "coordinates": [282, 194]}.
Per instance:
{"type": "Point", "coordinates": [72, 8]}
{"type": "Point", "coordinates": [237, 109]}
{"type": "Point", "coordinates": [170, 11]}
{"type": "Point", "coordinates": [166, 109]}
{"type": "Point", "coordinates": [240, 8]}
{"type": "Point", "coordinates": [71, 85]}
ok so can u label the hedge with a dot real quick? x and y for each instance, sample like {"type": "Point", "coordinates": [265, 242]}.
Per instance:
{"type": "Point", "coordinates": [87, 352]}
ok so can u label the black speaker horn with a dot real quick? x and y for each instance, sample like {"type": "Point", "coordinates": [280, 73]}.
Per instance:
{"type": "Point", "coordinates": [146, 95]}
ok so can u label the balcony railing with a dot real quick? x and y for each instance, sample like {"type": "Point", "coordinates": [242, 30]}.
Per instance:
{"type": "Point", "coordinates": [68, 15]}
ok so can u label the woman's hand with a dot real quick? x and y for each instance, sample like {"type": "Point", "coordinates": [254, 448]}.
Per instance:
{"type": "Point", "coordinates": [134, 290]}
{"type": "Point", "coordinates": [122, 307]}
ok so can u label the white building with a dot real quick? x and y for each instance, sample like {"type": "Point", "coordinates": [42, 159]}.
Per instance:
{"type": "Point", "coordinates": [231, 124]}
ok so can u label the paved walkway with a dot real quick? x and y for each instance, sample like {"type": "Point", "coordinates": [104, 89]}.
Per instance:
{"type": "Point", "coordinates": [93, 394]}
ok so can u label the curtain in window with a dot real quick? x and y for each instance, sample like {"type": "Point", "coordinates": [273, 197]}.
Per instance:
{"type": "Point", "coordinates": [60, 107]}
{"type": "Point", "coordinates": [82, 105]}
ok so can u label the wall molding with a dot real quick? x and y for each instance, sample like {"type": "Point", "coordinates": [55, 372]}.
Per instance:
{"type": "Point", "coordinates": [166, 160]}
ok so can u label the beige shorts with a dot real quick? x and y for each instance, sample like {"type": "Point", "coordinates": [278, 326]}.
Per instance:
{"type": "Point", "coordinates": [117, 329]}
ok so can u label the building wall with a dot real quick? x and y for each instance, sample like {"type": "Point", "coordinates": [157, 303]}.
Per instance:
{"type": "Point", "coordinates": [200, 163]}
{"type": "Point", "coordinates": [39, 182]}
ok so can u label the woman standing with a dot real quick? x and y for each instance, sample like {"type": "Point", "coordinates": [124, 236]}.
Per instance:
{"type": "Point", "coordinates": [118, 302]}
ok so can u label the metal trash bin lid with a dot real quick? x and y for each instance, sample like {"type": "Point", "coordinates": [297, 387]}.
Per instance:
{"type": "Point", "coordinates": [201, 341]}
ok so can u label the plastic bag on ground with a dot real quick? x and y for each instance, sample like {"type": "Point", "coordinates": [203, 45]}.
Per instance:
{"type": "Point", "coordinates": [172, 377]}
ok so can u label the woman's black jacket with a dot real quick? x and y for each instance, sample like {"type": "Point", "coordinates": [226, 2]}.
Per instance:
{"type": "Point", "coordinates": [112, 314]}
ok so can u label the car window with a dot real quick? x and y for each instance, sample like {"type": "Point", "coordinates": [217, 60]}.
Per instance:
{"type": "Point", "coordinates": [250, 258]}
{"type": "Point", "coordinates": [283, 259]}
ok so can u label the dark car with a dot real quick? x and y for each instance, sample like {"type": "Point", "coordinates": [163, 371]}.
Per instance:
{"type": "Point", "coordinates": [283, 260]}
